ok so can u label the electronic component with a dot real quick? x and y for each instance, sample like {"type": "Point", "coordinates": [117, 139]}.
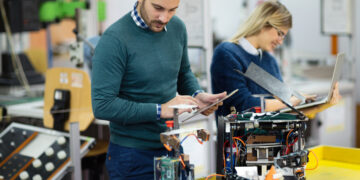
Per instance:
{"type": "Point", "coordinates": [176, 165]}
{"type": "Point", "coordinates": [170, 140]}
{"type": "Point", "coordinates": [167, 168]}
{"type": "Point", "coordinates": [36, 163]}
{"type": "Point", "coordinates": [261, 140]}
{"type": "Point", "coordinates": [61, 154]}
{"type": "Point", "coordinates": [24, 175]}
{"type": "Point", "coordinates": [37, 177]}
{"type": "Point", "coordinates": [49, 151]}
{"type": "Point", "coordinates": [37, 154]}
{"type": "Point", "coordinates": [49, 166]}
{"type": "Point", "coordinates": [203, 134]}
{"type": "Point", "coordinates": [295, 159]}
{"type": "Point", "coordinates": [61, 140]}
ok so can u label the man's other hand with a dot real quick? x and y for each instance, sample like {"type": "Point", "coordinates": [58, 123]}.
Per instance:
{"type": "Point", "coordinates": [206, 99]}
{"type": "Point", "coordinates": [167, 112]}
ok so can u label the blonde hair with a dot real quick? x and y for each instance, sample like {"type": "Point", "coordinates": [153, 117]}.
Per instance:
{"type": "Point", "coordinates": [267, 14]}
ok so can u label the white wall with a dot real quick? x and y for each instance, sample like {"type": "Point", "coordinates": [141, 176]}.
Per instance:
{"type": "Point", "coordinates": [306, 33]}
{"type": "Point", "coordinates": [116, 9]}
{"type": "Point", "coordinates": [226, 18]}
{"type": "Point", "coordinates": [356, 46]}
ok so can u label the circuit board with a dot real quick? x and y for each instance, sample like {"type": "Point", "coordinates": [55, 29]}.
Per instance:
{"type": "Point", "coordinates": [261, 140]}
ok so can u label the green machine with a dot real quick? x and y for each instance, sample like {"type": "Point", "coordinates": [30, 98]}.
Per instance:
{"type": "Point", "coordinates": [50, 11]}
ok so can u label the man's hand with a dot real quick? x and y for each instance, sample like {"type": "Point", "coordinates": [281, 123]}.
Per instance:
{"type": "Point", "coordinates": [167, 112]}
{"type": "Point", "coordinates": [206, 99]}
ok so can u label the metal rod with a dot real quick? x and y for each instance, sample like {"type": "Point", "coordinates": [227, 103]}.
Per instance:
{"type": "Point", "coordinates": [75, 150]}
{"type": "Point", "coordinates": [176, 126]}
{"type": "Point", "coordinates": [176, 118]}
{"type": "Point", "coordinates": [231, 149]}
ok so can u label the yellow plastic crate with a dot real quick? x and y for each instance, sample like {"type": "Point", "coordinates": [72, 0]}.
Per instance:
{"type": "Point", "coordinates": [334, 163]}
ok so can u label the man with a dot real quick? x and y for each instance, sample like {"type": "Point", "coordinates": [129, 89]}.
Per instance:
{"type": "Point", "coordinates": [140, 63]}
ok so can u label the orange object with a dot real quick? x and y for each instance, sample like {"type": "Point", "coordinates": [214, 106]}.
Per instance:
{"type": "Point", "coordinates": [334, 45]}
{"type": "Point", "coordinates": [192, 134]}
{"type": "Point", "coordinates": [182, 162]}
{"type": "Point", "coordinates": [214, 175]}
{"type": "Point", "coordinates": [270, 174]}
{"type": "Point", "coordinates": [236, 138]}
{"type": "Point", "coordinates": [167, 147]}
{"type": "Point", "coordinates": [317, 162]}
{"type": "Point", "coordinates": [169, 124]}
{"type": "Point", "coordinates": [257, 109]}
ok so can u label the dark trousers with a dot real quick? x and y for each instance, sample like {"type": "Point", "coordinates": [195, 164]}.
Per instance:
{"type": "Point", "coordinates": [130, 163]}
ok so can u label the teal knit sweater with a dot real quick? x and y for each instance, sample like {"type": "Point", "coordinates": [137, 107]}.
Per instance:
{"type": "Point", "coordinates": [133, 70]}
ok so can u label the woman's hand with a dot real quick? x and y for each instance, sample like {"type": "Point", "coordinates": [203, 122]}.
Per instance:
{"type": "Point", "coordinates": [336, 96]}
{"type": "Point", "coordinates": [309, 98]}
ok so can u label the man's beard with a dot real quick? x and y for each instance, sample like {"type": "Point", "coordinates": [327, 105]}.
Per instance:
{"type": "Point", "coordinates": [145, 16]}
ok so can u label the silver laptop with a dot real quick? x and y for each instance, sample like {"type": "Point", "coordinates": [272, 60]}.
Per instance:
{"type": "Point", "coordinates": [335, 78]}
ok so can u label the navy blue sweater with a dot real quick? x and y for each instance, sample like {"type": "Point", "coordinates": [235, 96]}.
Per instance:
{"type": "Point", "coordinates": [229, 56]}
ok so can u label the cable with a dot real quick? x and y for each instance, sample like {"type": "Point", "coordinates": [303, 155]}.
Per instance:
{"type": "Point", "coordinates": [214, 175]}
{"type": "Point", "coordinates": [167, 147]}
{"type": "Point", "coordinates": [182, 161]}
{"type": "Point", "coordinates": [287, 137]}
{"type": "Point", "coordinates": [191, 135]}
{"type": "Point", "coordinates": [237, 150]}
{"type": "Point", "coordinates": [247, 110]}
{"type": "Point", "coordinates": [224, 153]}
{"type": "Point", "coordinates": [317, 162]}
{"type": "Point", "coordinates": [288, 147]}
{"type": "Point", "coordinates": [240, 140]}
{"type": "Point", "coordinates": [18, 68]}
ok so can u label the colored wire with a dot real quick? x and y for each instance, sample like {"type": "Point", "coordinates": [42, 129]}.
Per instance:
{"type": "Point", "coordinates": [236, 147]}
{"type": "Point", "coordinates": [191, 135]}
{"type": "Point", "coordinates": [287, 137]}
{"type": "Point", "coordinates": [317, 162]}
{"type": "Point", "coordinates": [167, 147]}
{"type": "Point", "coordinates": [182, 161]}
{"type": "Point", "coordinates": [288, 147]}
{"type": "Point", "coordinates": [224, 153]}
{"type": "Point", "coordinates": [247, 110]}
{"type": "Point", "coordinates": [214, 175]}
{"type": "Point", "coordinates": [240, 140]}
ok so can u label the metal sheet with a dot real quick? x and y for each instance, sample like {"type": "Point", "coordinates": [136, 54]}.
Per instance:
{"type": "Point", "coordinates": [277, 88]}
{"type": "Point", "coordinates": [269, 82]}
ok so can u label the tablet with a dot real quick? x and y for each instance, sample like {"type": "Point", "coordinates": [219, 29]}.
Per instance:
{"type": "Point", "coordinates": [199, 111]}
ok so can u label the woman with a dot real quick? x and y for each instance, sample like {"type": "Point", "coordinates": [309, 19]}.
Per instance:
{"type": "Point", "coordinates": [263, 31]}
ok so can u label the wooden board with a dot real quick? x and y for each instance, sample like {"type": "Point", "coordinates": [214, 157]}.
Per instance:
{"type": "Point", "coordinates": [78, 83]}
